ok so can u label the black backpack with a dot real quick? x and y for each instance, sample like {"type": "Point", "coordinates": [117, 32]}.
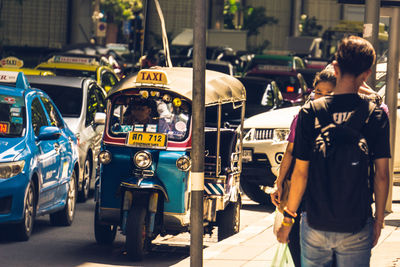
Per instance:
{"type": "Point", "coordinates": [339, 193]}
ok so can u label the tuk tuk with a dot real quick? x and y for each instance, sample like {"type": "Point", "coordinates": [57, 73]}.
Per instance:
{"type": "Point", "coordinates": [144, 177]}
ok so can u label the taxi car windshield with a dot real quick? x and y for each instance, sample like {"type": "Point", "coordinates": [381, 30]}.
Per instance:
{"type": "Point", "coordinates": [155, 115]}
{"type": "Point", "coordinates": [72, 73]}
{"type": "Point", "coordinates": [12, 116]}
{"type": "Point", "coordinates": [67, 99]}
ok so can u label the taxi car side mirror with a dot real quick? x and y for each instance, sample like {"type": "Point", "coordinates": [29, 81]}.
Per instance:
{"type": "Point", "coordinates": [100, 118]}
{"type": "Point", "coordinates": [49, 133]}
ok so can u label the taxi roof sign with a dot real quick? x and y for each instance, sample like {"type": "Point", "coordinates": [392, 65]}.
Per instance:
{"type": "Point", "coordinates": [11, 62]}
{"type": "Point", "coordinates": [152, 76]}
{"type": "Point", "coordinates": [72, 60]}
{"type": "Point", "coordinates": [14, 77]}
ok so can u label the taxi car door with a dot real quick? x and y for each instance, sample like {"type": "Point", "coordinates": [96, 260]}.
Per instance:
{"type": "Point", "coordinates": [64, 143]}
{"type": "Point", "coordinates": [48, 157]}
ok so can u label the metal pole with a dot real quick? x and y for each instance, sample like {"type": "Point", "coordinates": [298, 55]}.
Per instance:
{"type": "Point", "coordinates": [197, 154]}
{"type": "Point", "coordinates": [371, 29]}
{"type": "Point", "coordinates": [392, 77]}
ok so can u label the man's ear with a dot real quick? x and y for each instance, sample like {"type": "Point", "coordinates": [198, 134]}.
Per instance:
{"type": "Point", "coordinates": [365, 75]}
{"type": "Point", "coordinates": [335, 65]}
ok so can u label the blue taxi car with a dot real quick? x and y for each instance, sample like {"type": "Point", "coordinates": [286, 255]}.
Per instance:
{"type": "Point", "coordinates": [38, 158]}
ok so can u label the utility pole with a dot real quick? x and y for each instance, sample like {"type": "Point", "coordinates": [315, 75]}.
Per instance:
{"type": "Point", "coordinates": [371, 30]}
{"type": "Point", "coordinates": [197, 154]}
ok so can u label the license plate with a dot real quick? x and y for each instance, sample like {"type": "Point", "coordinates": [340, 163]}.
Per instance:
{"type": "Point", "coordinates": [247, 155]}
{"type": "Point", "coordinates": [142, 139]}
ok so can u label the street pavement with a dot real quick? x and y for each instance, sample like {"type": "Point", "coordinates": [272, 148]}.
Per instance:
{"type": "Point", "coordinates": [255, 245]}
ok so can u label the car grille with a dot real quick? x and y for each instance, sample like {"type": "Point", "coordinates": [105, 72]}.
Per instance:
{"type": "Point", "coordinates": [263, 134]}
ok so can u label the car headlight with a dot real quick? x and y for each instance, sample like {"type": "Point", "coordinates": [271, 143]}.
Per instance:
{"type": "Point", "coordinates": [105, 157]}
{"type": "Point", "coordinates": [142, 159]}
{"type": "Point", "coordinates": [281, 134]}
{"type": "Point", "coordinates": [11, 169]}
{"type": "Point", "coordinates": [183, 163]}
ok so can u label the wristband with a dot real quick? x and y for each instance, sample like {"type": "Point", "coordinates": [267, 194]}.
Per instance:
{"type": "Point", "coordinates": [288, 223]}
{"type": "Point", "coordinates": [288, 213]}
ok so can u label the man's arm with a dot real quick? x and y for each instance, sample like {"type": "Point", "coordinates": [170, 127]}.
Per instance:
{"type": "Point", "coordinates": [283, 169]}
{"type": "Point", "coordinates": [381, 189]}
{"type": "Point", "coordinates": [297, 189]}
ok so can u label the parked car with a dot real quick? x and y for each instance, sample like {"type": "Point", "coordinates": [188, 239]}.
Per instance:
{"type": "Point", "coordinates": [79, 99]}
{"type": "Point", "coordinates": [284, 70]}
{"type": "Point", "coordinates": [16, 64]}
{"type": "Point", "coordinates": [81, 66]}
{"type": "Point", "coordinates": [264, 144]}
{"type": "Point", "coordinates": [38, 158]}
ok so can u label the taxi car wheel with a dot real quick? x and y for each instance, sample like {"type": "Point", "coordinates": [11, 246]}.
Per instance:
{"type": "Point", "coordinates": [228, 220]}
{"type": "Point", "coordinates": [24, 229]}
{"type": "Point", "coordinates": [87, 174]}
{"type": "Point", "coordinates": [255, 192]}
{"type": "Point", "coordinates": [65, 216]}
{"type": "Point", "coordinates": [136, 229]}
{"type": "Point", "coordinates": [104, 234]}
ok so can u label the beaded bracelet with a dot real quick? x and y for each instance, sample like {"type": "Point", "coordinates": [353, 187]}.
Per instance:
{"type": "Point", "coordinates": [288, 223]}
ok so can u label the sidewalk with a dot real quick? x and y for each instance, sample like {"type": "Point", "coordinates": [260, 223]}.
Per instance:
{"type": "Point", "coordinates": [255, 245]}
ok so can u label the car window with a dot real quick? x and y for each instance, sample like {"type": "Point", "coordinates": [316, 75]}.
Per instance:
{"type": "Point", "coordinates": [108, 79]}
{"type": "Point", "coordinates": [39, 118]}
{"type": "Point", "coordinates": [67, 99]}
{"type": "Point", "coordinates": [55, 118]}
{"type": "Point", "coordinates": [92, 104]}
{"type": "Point", "coordinates": [101, 100]}
{"type": "Point", "coordinates": [12, 116]}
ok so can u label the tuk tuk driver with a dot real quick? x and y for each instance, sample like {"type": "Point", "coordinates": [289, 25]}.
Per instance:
{"type": "Point", "coordinates": [140, 111]}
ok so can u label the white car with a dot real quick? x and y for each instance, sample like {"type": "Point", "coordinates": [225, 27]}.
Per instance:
{"type": "Point", "coordinates": [264, 144]}
{"type": "Point", "coordinates": [78, 99]}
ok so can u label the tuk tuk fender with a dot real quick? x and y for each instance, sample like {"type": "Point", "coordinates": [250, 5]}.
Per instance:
{"type": "Point", "coordinates": [143, 184]}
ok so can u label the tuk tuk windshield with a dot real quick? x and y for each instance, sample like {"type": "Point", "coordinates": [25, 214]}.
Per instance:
{"type": "Point", "coordinates": [155, 114]}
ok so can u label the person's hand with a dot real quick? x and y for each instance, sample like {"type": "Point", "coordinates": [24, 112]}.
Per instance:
{"type": "Point", "coordinates": [276, 194]}
{"type": "Point", "coordinates": [283, 233]}
{"type": "Point", "coordinates": [378, 225]}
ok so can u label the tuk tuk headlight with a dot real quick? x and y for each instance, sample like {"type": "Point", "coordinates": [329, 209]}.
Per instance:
{"type": "Point", "coordinates": [105, 157]}
{"type": "Point", "coordinates": [11, 169]}
{"type": "Point", "coordinates": [184, 163]}
{"type": "Point", "coordinates": [142, 159]}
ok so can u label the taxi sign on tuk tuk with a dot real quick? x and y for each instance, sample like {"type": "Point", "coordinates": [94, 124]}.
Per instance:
{"type": "Point", "coordinates": [152, 77]}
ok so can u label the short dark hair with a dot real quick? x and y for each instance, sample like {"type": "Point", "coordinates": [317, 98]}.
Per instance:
{"type": "Point", "coordinates": [355, 55]}
{"type": "Point", "coordinates": [326, 75]}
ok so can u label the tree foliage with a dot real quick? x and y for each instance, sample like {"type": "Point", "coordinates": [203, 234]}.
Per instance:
{"type": "Point", "coordinates": [254, 18]}
{"type": "Point", "coordinates": [120, 10]}
{"type": "Point", "coordinates": [308, 26]}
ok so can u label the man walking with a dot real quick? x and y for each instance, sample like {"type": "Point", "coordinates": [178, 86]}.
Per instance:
{"type": "Point", "coordinates": [336, 139]}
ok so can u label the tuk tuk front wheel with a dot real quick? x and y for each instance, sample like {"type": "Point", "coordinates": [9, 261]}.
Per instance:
{"type": "Point", "coordinates": [136, 229]}
{"type": "Point", "coordinates": [228, 220]}
{"type": "Point", "coordinates": [104, 234]}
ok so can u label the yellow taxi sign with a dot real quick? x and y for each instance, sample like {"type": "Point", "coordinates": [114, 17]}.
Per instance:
{"type": "Point", "coordinates": [11, 62]}
{"type": "Point", "coordinates": [152, 77]}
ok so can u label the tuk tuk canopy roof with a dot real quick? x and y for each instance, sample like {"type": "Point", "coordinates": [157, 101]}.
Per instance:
{"type": "Point", "coordinates": [219, 87]}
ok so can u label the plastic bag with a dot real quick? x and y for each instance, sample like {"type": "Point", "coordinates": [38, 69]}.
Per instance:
{"type": "Point", "coordinates": [278, 220]}
{"type": "Point", "coordinates": [282, 257]}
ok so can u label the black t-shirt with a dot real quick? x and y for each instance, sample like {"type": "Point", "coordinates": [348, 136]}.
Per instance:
{"type": "Point", "coordinates": [376, 130]}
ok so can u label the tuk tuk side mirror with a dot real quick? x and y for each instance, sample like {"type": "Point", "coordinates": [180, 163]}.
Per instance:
{"type": "Point", "coordinates": [100, 118]}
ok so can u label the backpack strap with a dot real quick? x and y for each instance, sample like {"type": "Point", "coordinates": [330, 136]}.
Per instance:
{"type": "Point", "coordinates": [320, 108]}
{"type": "Point", "coordinates": [361, 115]}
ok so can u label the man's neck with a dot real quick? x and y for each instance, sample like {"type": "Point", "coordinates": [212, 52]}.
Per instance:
{"type": "Point", "coordinates": [347, 84]}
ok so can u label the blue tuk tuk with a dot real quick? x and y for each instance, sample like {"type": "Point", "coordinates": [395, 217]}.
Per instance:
{"type": "Point", "coordinates": [144, 178]}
